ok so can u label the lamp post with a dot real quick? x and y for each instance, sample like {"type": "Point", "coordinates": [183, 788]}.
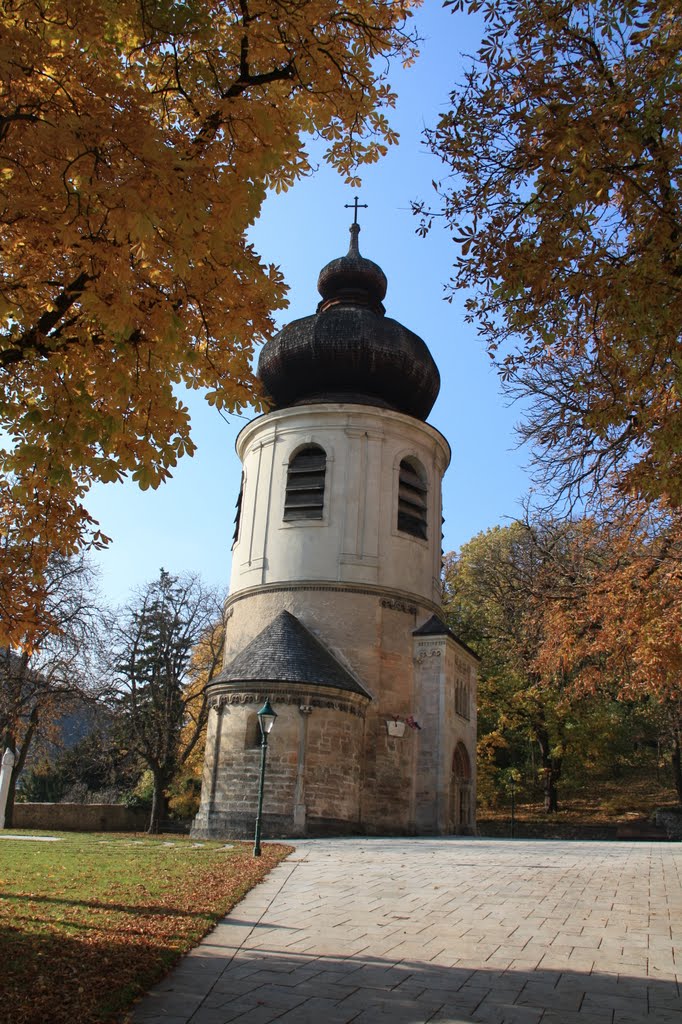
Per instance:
{"type": "Point", "coordinates": [513, 804]}
{"type": "Point", "coordinates": [266, 720]}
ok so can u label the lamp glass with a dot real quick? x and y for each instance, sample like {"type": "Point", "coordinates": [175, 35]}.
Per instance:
{"type": "Point", "coordinates": [266, 717]}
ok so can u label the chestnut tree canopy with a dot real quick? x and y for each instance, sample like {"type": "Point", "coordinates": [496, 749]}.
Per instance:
{"type": "Point", "coordinates": [138, 141]}
{"type": "Point", "coordinates": [564, 144]}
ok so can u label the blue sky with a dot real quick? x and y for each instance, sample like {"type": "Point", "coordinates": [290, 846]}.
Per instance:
{"type": "Point", "coordinates": [186, 525]}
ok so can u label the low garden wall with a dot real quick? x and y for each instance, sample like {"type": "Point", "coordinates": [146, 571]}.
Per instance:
{"type": "Point", "coordinates": [80, 817]}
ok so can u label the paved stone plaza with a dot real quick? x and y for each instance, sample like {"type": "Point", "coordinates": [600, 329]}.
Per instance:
{"type": "Point", "coordinates": [405, 931]}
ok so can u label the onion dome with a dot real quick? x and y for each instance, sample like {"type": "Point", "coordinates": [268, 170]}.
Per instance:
{"type": "Point", "coordinates": [352, 278]}
{"type": "Point", "coordinates": [349, 350]}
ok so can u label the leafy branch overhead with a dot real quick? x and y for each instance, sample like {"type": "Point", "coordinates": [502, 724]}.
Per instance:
{"type": "Point", "coordinates": [137, 145]}
{"type": "Point", "coordinates": [564, 144]}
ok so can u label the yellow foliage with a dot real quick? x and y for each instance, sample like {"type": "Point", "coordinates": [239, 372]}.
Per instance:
{"type": "Point", "coordinates": [137, 145]}
{"type": "Point", "coordinates": [624, 622]}
{"type": "Point", "coordinates": [205, 663]}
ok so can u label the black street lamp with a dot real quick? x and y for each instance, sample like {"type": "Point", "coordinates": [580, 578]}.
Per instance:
{"type": "Point", "coordinates": [513, 805]}
{"type": "Point", "coordinates": [266, 720]}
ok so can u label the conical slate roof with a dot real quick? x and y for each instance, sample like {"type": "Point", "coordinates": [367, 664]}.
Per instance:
{"type": "Point", "coordinates": [286, 652]}
{"type": "Point", "coordinates": [436, 627]}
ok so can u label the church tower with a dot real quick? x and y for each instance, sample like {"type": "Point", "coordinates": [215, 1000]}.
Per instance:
{"type": "Point", "coordinates": [334, 605]}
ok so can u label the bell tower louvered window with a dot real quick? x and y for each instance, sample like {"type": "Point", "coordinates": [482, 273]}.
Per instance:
{"type": "Point", "coordinates": [412, 500]}
{"type": "Point", "coordinates": [305, 485]}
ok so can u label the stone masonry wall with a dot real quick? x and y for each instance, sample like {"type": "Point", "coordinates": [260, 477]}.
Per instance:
{"type": "Point", "coordinates": [80, 817]}
{"type": "Point", "coordinates": [312, 772]}
{"type": "Point", "coordinates": [333, 763]}
{"type": "Point", "coordinates": [371, 634]}
{"type": "Point", "coordinates": [440, 664]}
{"type": "Point", "coordinates": [230, 789]}
{"type": "Point", "coordinates": [430, 687]}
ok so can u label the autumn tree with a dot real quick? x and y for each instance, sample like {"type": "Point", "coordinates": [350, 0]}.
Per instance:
{"type": "Point", "coordinates": [185, 787]}
{"type": "Point", "coordinates": [497, 589]}
{"type": "Point", "coordinates": [138, 142]}
{"type": "Point", "coordinates": [624, 631]}
{"type": "Point", "coordinates": [47, 678]}
{"type": "Point", "coordinates": [157, 688]}
{"type": "Point", "coordinates": [564, 144]}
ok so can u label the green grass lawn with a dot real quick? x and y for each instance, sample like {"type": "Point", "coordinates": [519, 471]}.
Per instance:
{"type": "Point", "coordinates": [93, 920]}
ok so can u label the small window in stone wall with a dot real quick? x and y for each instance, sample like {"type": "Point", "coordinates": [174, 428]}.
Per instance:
{"type": "Point", "coordinates": [462, 699]}
{"type": "Point", "coordinates": [412, 499]}
{"type": "Point", "coordinates": [253, 736]}
{"type": "Point", "coordinates": [304, 497]}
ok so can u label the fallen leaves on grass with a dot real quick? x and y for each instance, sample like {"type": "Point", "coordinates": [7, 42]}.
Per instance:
{"type": "Point", "coordinates": [80, 944]}
{"type": "Point", "coordinates": [603, 804]}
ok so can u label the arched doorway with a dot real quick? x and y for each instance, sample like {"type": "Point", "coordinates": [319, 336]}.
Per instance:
{"type": "Point", "coordinates": [461, 791]}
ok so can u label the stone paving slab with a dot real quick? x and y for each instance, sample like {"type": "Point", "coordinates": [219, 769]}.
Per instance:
{"type": "Point", "coordinates": [443, 931]}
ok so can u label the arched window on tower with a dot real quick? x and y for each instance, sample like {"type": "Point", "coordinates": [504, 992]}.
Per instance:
{"type": "Point", "coordinates": [412, 499]}
{"type": "Point", "coordinates": [304, 498]}
{"type": "Point", "coordinates": [252, 735]}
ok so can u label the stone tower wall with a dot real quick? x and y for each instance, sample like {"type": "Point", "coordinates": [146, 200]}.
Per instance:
{"type": "Point", "coordinates": [445, 697]}
{"type": "Point", "coordinates": [370, 632]}
{"type": "Point", "coordinates": [361, 586]}
{"type": "Point", "coordinates": [357, 539]}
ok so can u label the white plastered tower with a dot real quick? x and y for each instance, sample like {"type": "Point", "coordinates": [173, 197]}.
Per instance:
{"type": "Point", "coordinates": [334, 602]}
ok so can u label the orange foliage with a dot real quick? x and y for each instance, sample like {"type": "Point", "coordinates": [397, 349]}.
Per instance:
{"type": "Point", "coordinates": [625, 622]}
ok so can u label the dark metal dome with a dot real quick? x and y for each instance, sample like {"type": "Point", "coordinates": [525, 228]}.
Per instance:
{"type": "Point", "coordinates": [352, 278]}
{"type": "Point", "coordinates": [349, 351]}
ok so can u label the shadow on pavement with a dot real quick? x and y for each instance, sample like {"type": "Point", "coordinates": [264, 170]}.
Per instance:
{"type": "Point", "coordinates": [257, 987]}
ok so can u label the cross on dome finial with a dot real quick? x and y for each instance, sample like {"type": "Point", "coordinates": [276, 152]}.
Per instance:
{"type": "Point", "coordinates": [354, 249]}
{"type": "Point", "coordinates": [355, 205]}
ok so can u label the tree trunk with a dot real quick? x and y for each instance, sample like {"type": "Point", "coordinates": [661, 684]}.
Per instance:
{"type": "Point", "coordinates": [551, 773]}
{"type": "Point", "coordinates": [20, 754]}
{"type": "Point", "coordinates": [551, 778]}
{"type": "Point", "coordinates": [159, 801]}
{"type": "Point", "coordinates": [9, 806]}
{"type": "Point", "coordinates": [674, 716]}
{"type": "Point", "coordinates": [676, 761]}
{"type": "Point", "coordinates": [9, 744]}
